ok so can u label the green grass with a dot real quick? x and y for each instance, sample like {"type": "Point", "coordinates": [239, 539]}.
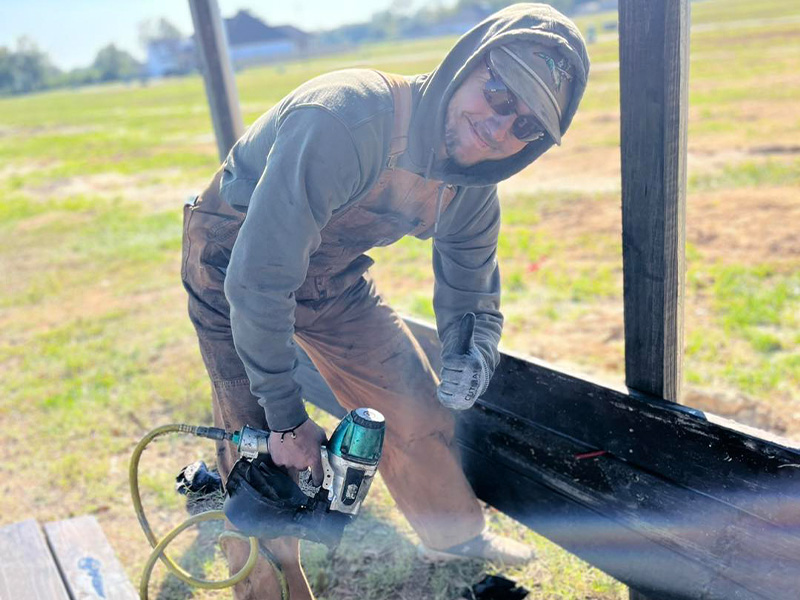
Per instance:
{"type": "Point", "coordinates": [757, 297]}
{"type": "Point", "coordinates": [751, 343]}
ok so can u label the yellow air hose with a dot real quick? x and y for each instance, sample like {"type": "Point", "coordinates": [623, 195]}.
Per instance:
{"type": "Point", "coordinates": [160, 546]}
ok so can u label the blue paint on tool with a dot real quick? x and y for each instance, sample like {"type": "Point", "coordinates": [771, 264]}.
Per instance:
{"type": "Point", "coordinates": [92, 567]}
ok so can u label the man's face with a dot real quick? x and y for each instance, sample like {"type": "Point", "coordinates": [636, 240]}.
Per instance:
{"type": "Point", "coordinates": [473, 131]}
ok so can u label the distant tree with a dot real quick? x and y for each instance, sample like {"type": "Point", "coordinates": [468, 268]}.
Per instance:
{"type": "Point", "coordinates": [493, 5]}
{"type": "Point", "coordinates": [80, 76]}
{"type": "Point", "coordinates": [26, 69]}
{"type": "Point", "coordinates": [156, 30]}
{"type": "Point", "coordinates": [6, 71]}
{"type": "Point", "coordinates": [401, 20]}
{"type": "Point", "coordinates": [112, 64]}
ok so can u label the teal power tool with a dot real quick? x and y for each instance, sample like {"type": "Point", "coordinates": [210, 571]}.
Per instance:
{"type": "Point", "coordinates": [262, 501]}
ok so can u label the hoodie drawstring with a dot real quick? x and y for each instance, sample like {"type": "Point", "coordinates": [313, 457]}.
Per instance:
{"type": "Point", "coordinates": [428, 169]}
{"type": "Point", "coordinates": [439, 197]}
{"type": "Point", "coordinates": [439, 194]}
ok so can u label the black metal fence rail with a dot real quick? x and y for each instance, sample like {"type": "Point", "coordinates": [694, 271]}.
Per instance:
{"type": "Point", "coordinates": [658, 495]}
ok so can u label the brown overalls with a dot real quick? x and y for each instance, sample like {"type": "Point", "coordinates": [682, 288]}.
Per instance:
{"type": "Point", "coordinates": [358, 343]}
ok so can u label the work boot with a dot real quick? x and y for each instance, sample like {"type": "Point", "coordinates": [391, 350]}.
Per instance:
{"type": "Point", "coordinates": [484, 546]}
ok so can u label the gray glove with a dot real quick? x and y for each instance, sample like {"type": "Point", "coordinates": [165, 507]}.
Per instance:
{"type": "Point", "coordinates": [465, 374]}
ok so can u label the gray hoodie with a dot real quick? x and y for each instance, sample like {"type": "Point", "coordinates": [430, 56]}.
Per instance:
{"type": "Point", "coordinates": [321, 149]}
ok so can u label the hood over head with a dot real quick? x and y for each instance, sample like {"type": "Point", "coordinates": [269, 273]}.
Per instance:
{"type": "Point", "coordinates": [515, 26]}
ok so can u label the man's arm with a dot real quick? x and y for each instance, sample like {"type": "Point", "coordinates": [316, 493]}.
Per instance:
{"type": "Point", "coordinates": [468, 281]}
{"type": "Point", "coordinates": [312, 169]}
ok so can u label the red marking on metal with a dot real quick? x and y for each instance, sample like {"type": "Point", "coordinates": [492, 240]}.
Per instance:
{"type": "Point", "coordinates": [594, 454]}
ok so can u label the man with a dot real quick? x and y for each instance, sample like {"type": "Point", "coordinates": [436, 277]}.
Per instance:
{"type": "Point", "coordinates": [349, 161]}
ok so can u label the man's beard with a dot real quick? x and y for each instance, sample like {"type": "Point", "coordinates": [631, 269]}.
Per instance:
{"type": "Point", "coordinates": [451, 144]}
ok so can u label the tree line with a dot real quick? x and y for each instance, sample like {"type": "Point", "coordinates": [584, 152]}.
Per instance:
{"type": "Point", "coordinates": [27, 69]}
{"type": "Point", "coordinates": [397, 22]}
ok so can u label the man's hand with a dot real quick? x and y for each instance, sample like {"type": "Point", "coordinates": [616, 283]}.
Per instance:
{"type": "Point", "coordinates": [465, 374]}
{"type": "Point", "coordinates": [299, 449]}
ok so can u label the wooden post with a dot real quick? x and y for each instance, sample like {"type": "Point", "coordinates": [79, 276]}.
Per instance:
{"type": "Point", "coordinates": [654, 66]}
{"type": "Point", "coordinates": [653, 56]}
{"type": "Point", "coordinates": [217, 74]}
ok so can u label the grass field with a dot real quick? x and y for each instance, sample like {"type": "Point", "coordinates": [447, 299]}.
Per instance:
{"type": "Point", "coordinates": [96, 348]}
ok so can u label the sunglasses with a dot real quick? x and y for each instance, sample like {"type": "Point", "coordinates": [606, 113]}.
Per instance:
{"type": "Point", "coordinates": [502, 101]}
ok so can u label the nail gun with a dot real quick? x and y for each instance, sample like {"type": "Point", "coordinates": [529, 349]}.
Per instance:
{"type": "Point", "coordinates": [263, 501]}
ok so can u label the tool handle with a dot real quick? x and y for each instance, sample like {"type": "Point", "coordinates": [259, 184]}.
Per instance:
{"type": "Point", "coordinates": [466, 330]}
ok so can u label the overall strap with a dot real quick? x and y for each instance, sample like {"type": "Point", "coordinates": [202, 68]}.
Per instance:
{"type": "Point", "coordinates": [401, 94]}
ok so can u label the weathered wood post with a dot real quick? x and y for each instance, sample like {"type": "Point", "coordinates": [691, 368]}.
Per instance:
{"type": "Point", "coordinates": [217, 74]}
{"type": "Point", "coordinates": [654, 67]}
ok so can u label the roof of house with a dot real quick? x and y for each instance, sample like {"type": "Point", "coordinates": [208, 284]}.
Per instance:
{"type": "Point", "coordinates": [244, 28]}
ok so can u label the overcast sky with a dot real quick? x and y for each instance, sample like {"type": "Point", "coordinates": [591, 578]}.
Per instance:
{"type": "Point", "coordinates": [72, 31]}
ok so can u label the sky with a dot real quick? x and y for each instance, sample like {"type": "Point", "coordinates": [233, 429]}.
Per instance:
{"type": "Point", "coordinates": [72, 31]}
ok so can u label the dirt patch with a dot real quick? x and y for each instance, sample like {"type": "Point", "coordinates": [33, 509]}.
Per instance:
{"type": "Point", "coordinates": [748, 37]}
{"type": "Point", "coordinates": [555, 172]}
{"type": "Point", "coordinates": [52, 218]}
{"type": "Point", "coordinates": [11, 169]}
{"type": "Point", "coordinates": [159, 190]}
{"type": "Point", "coordinates": [773, 150]}
{"type": "Point", "coordinates": [600, 168]}
{"type": "Point", "coordinates": [702, 161]}
{"type": "Point", "coordinates": [744, 409]}
{"type": "Point", "coordinates": [745, 226]}
{"type": "Point", "coordinates": [60, 129]}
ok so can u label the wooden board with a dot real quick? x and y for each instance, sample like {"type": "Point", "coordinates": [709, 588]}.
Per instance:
{"type": "Point", "coordinates": [27, 569]}
{"type": "Point", "coordinates": [87, 561]}
{"type": "Point", "coordinates": [728, 548]}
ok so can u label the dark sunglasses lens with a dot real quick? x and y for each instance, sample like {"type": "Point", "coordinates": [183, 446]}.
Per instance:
{"type": "Point", "coordinates": [498, 97]}
{"type": "Point", "coordinates": [527, 128]}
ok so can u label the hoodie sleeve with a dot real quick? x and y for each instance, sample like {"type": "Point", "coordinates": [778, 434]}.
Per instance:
{"type": "Point", "coordinates": [312, 169]}
{"type": "Point", "coordinates": [466, 271]}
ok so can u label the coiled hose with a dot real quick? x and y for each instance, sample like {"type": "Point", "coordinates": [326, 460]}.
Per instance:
{"type": "Point", "coordinates": [160, 546]}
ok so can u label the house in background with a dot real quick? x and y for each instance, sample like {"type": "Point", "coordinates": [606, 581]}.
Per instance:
{"type": "Point", "coordinates": [170, 57]}
{"type": "Point", "coordinates": [250, 42]}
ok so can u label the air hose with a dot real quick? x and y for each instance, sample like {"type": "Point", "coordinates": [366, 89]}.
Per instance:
{"type": "Point", "coordinates": [159, 547]}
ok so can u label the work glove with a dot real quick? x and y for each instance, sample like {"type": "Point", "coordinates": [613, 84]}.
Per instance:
{"type": "Point", "coordinates": [465, 374]}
